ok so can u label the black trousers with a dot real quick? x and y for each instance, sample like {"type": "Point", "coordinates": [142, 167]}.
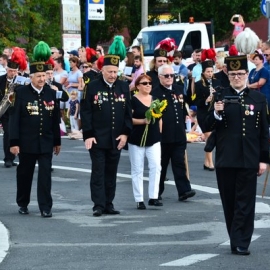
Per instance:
{"type": "Point", "coordinates": [103, 176]}
{"type": "Point", "coordinates": [25, 171]}
{"type": "Point", "coordinates": [6, 147]}
{"type": "Point", "coordinates": [176, 153]}
{"type": "Point", "coordinates": [237, 189]}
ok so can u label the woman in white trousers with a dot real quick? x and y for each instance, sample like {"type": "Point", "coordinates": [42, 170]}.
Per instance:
{"type": "Point", "coordinates": [151, 149]}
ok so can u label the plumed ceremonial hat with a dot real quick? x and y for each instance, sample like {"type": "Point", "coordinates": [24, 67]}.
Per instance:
{"type": "Point", "coordinates": [206, 64]}
{"type": "Point", "coordinates": [237, 62]}
{"type": "Point", "coordinates": [12, 65]}
{"type": "Point", "coordinates": [90, 53]}
{"type": "Point", "coordinates": [209, 54]}
{"type": "Point", "coordinates": [246, 42]}
{"type": "Point", "coordinates": [165, 48]}
{"type": "Point", "coordinates": [18, 59]}
{"type": "Point", "coordinates": [41, 54]}
{"type": "Point", "coordinates": [118, 47]}
{"type": "Point", "coordinates": [111, 60]}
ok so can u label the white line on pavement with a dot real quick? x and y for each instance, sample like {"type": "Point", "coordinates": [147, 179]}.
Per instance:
{"type": "Point", "coordinates": [195, 258]}
{"type": "Point", "coordinates": [4, 243]}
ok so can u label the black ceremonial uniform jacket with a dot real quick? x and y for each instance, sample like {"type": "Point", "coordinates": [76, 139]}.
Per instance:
{"type": "Point", "coordinates": [92, 74]}
{"type": "Point", "coordinates": [34, 120]}
{"type": "Point", "coordinates": [242, 134]}
{"type": "Point", "coordinates": [203, 92]}
{"type": "Point", "coordinates": [173, 118]}
{"type": "Point", "coordinates": [223, 78]}
{"type": "Point", "coordinates": [3, 87]}
{"type": "Point", "coordinates": [106, 112]}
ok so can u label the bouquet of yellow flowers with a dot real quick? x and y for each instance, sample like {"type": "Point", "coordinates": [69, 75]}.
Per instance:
{"type": "Point", "coordinates": [155, 111]}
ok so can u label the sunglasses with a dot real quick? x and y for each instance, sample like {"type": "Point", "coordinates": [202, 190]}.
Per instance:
{"type": "Point", "coordinates": [164, 61]}
{"type": "Point", "coordinates": [146, 83]}
{"type": "Point", "coordinates": [167, 75]}
{"type": "Point", "coordinates": [266, 55]}
{"type": "Point", "coordinates": [85, 66]}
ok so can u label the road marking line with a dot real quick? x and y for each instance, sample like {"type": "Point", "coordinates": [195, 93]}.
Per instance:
{"type": "Point", "coordinates": [192, 259]}
{"type": "Point", "coordinates": [4, 243]}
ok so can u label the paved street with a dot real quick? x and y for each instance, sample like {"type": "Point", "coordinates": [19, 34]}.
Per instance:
{"type": "Point", "coordinates": [179, 235]}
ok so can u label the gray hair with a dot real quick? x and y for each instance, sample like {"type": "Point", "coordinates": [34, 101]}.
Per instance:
{"type": "Point", "coordinates": [161, 68]}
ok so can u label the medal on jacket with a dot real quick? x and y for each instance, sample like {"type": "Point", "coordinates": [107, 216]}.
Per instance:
{"type": "Point", "coordinates": [116, 98]}
{"type": "Point", "coordinates": [175, 100]}
{"type": "Point", "coordinates": [105, 96]}
{"type": "Point", "coordinates": [49, 106]}
{"type": "Point", "coordinates": [247, 110]}
{"type": "Point", "coordinates": [251, 107]}
{"type": "Point", "coordinates": [32, 108]}
{"type": "Point", "coordinates": [95, 99]}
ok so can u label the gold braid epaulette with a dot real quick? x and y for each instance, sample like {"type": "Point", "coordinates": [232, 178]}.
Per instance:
{"type": "Point", "coordinates": [86, 81]}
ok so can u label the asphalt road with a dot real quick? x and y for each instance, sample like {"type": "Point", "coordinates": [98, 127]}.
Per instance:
{"type": "Point", "coordinates": [179, 235]}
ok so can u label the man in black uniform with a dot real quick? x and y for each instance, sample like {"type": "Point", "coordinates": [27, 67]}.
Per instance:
{"type": "Point", "coordinates": [173, 142]}
{"type": "Point", "coordinates": [106, 123]}
{"type": "Point", "coordinates": [160, 58]}
{"type": "Point", "coordinates": [94, 73]}
{"type": "Point", "coordinates": [61, 94]}
{"type": "Point", "coordinates": [242, 151]}
{"type": "Point", "coordinates": [34, 136]}
{"type": "Point", "coordinates": [222, 75]}
{"type": "Point", "coordinates": [5, 80]}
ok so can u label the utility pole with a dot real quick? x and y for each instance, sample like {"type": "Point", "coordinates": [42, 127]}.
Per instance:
{"type": "Point", "coordinates": [144, 11]}
{"type": "Point", "coordinates": [267, 2]}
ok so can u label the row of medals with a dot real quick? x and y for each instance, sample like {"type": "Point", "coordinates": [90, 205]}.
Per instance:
{"type": "Point", "coordinates": [249, 109]}
{"type": "Point", "coordinates": [104, 97]}
{"type": "Point", "coordinates": [32, 108]}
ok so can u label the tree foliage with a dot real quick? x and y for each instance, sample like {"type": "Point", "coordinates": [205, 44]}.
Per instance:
{"type": "Point", "coordinates": [25, 22]}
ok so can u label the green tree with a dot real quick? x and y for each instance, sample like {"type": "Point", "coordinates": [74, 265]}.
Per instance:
{"type": "Point", "coordinates": [24, 23]}
{"type": "Point", "coordinates": [220, 11]}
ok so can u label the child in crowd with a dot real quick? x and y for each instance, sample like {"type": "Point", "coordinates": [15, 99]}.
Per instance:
{"type": "Point", "coordinates": [73, 111]}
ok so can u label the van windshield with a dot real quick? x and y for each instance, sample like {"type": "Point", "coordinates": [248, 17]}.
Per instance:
{"type": "Point", "coordinates": [151, 39]}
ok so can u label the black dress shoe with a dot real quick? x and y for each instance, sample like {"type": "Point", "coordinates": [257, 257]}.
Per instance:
{"type": "Point", "coordinates": [8, 163]}
{"type": "Point", "coordinates": [187, 195]}
{"type": "Point", "coordinates": [111, 211]}
{"type": "Point", "coordinates": [155, 202]}
{"type": "Point", "coordinates": [46, 214]}
{"type": "Point", "coordinates": [208, 168]}
{"type": "Point", "coordinates": [240, 251]}
{"type": "Point", "coordinates": [97, 213]}
{"type": "Point", "coordinates": [14, 164]}
{"type": "Point", "coordinates": [141, 206]}
{"type": "Point", "coordinates": [23, 211]}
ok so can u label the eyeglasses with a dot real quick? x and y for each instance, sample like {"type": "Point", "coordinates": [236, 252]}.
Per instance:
{"type": "Point", "coordinates": [266, 55]}
{"type": "Point", "coordinates": [85, 66]}
{"type": "Point", "coordinates": [167, 75]}
{"type": "Point", "coordinates": [164, 61]}
{"type": "Point", "coordinates": [146, 83]}
{"type": "Point", "coordinates": [239, 74]}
